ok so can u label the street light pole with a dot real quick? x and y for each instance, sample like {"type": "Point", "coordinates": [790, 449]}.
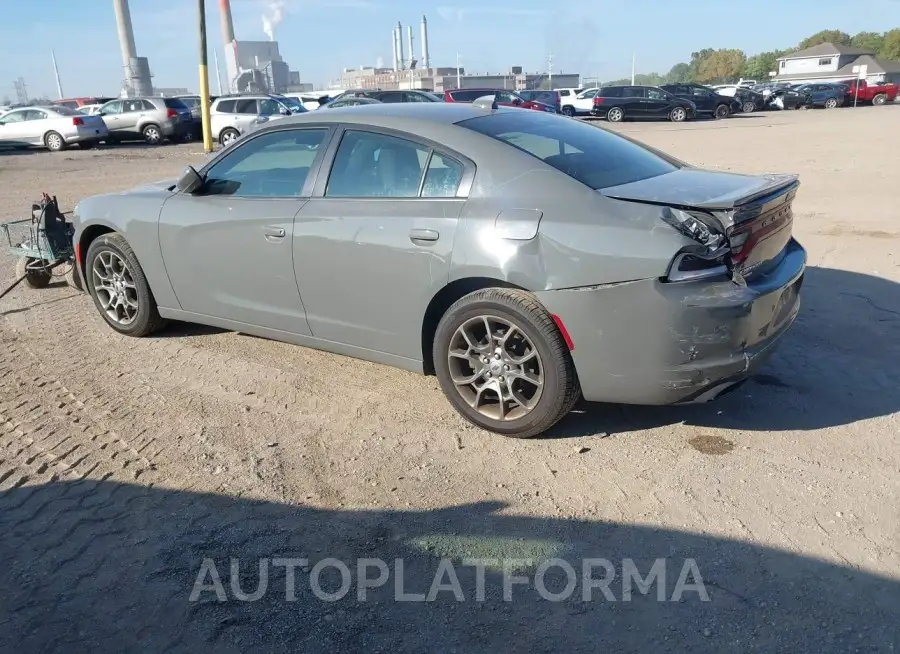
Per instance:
{"type": "Point", "coordinates": [204, 80]}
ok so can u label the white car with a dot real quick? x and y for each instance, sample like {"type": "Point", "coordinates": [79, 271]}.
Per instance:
{"type": "Point", "coordinates": [54, 128]}
{"type": "Point", "coordinates": [310, 101]}
{"type": "Point", "coordinates": [580, 104]}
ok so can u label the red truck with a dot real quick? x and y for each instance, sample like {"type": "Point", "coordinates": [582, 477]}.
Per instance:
{"type": "Point", "coordinates": [877, 94]}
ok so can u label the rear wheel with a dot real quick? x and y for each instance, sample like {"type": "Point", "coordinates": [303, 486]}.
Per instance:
{"type": "Point", "coordinates": [748, 107]}
{"type": "Point", "coordinates": [879, 99]}
{"type": "Point", "coordinates": [34, 277]}
{"type": "Point", "coordinates": [503, 364]}
{"type": "Point", "coordinates": [831, 103]}
{"type": "Point", "coordinates": [228, 136]}
{"type": "Point", "coordinates": [54, 142]}
{"type": "Point", "coordinates": [721, 111]}
{"type": "Point", "coordinates": [569, 111]}
{"type": "Point", "coordinates": [119, 288]}
{"type": "Point", "coordinates": [678, 115]}
{"type": "Point", "coordinates": [72, 277]}
{"type": "Point", "coordinates": [615, 115]}
{"type": "Point", "coordinates": [152, 134]}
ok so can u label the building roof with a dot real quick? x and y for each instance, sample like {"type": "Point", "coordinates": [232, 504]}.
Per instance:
{"type": "Point", "coordinates": [825, 49]}
{"type": "Point", "coordinates": [875, 66]}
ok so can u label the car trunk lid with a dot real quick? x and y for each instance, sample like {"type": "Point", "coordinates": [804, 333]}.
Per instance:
{"type": "Point", "coordinates": [754, 213]}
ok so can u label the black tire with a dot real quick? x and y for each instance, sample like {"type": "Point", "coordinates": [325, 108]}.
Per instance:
{"type": "Point", "coordinates": [615, 115]}
{"type": "Point", "coordinates": [33, 278]}
{"type": "Point", "coordinates": [152, 134]}
{"type": "Point", "coordinates": [560, 388]}
{"type": "Point", "coordinates": [227, 136]}
{"type": "Point", "coordinates": [678, 115]}
{"type": "Point", "coordinates": [721, 112]}
{"type": "Point", "coordinates": [72, 277]}
{"type": "Point", "coordinates": [147, 319]}
{"type": "Point", "coordinates": [54, 142]}
{"type": "Point", "coordinates": [748, 107]}
{"type": "Point", "coordinates": [569, 111]}
{"type": "Point", "coordinates": [879, 99]}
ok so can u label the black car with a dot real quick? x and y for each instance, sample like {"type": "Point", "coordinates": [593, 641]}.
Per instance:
{"type": "Point", "coordinates": [787, 98]}
{"type": "Point", "coordinates": [401, 96]}
{"type": "Point", "coordinates": [616, 103]}
{"type": "Point", "coordinates": [749, 99]}
{"type": "Point", "coordinates": [549, 98]}
{"type": "Point", "coordinates": [708, 102]}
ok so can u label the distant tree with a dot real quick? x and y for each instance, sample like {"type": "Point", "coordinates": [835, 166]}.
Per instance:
{"type": "Point", "coordinates": [760, 65]}
{"type": "Point", "coordinates": [836, 37]}
{"type": "Point", "coordinates": [697, 58]}
{"type": "Point", "coordinates": [890, 48]}
{"type": "Point", "coordinates": [872, 41]}
{"type": "Point", "coordinates": [625, 81]}
{"type": "Point", "coordinates": [721, 66]}
{"type": "Point", "coordinates": [679, 73]}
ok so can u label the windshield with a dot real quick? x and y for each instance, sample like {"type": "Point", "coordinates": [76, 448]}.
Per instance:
{"type": "Point", "coordinates": [592, 155]}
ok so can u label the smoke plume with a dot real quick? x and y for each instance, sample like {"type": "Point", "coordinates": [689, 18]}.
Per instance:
{"type": "Point", "coordinates": [273, 17]}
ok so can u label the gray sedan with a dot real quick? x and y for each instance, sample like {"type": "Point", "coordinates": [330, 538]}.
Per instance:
{"type": "Point", "coordinates": [52, 127]}
{"type": "Point", "coordinates": [524, 258]}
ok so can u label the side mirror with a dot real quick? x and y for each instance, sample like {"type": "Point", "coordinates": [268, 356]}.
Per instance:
{"type": "Point", "coordinates": [189, 181]}
{"type": "Point", "coordinates": [517, 101]}
{"type": "Point", "coordinates": [284, 111]}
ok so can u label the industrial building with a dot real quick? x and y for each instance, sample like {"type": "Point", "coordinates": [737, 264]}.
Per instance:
{"type": "Point", "coordinates": [407, 73]}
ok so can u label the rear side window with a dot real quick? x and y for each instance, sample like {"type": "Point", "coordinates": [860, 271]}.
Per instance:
{"type": "Point", "coordinates": [376, 165]}
{"type": "Point", "coordinates": [593, 156]}
{"type": "Point", "coordinates": [564, 93]}
{"type": "Point", "coordinates": [442, 177]}
{"type": "Point", "coordinates": [246, 106]}
{"type": "Point", "coordinates": [225, 107]}
{"type": "Point", "coordinates": [174, 103]}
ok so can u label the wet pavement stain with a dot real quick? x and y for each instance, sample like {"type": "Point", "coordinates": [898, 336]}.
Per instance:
{"type": "Point", "coordinates": [715, 445]}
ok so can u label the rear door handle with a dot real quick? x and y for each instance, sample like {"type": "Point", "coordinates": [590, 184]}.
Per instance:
{"type": "Point", "coordinates": [273, 233]}
{"type": "Point", "coordinates": [423, 235]}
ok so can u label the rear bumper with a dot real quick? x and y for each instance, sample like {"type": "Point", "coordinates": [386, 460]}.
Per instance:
{"type": "Point", "coordinates": [649, 342]}
{"type": "Point", "coordinates": [87, 134]}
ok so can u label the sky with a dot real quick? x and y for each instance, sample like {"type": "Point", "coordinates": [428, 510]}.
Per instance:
{"type": "Point", "coordinates": [320, 37]}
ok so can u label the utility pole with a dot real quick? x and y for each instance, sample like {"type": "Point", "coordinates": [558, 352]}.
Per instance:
{"type": "Point", "coordinates": [457, 71]}
{"type": "Point", "coordinates": [550, 70]}
{"type": "Point", "coordinates": [218, 72]}
{"type": "Point", "coordinates": [633, 56]}
{"type": "Point", "coordinates": [56, 73]}
{"type": "Point", "coordinates": [204, 79]}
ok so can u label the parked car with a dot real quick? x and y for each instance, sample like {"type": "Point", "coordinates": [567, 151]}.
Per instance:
{"type": "Point", "coordinates": [663, 284]}
{"type": "Point", "coordinates": [549, 98]}
{"type": "Point", "coordinates": [231, 115]}
{"type": "Point", "coordinates": [829, 96]}
{"type": "Point", "coordinates": [310, 101]}
{"type": "Point", "coordinates": [786, 98]}
{"type": "Point", "coordinates": [617, 103]}
{"type": "Point", "coordinates": [351, 102]}
{"type": "Point", "coordinates": [708, 102]}
{"type": "Point", "coordinates": [53, 127]}
{"type": "Point", "coordinates": [394, 97]}
{"type": "Point", "coordinates": [195, 104]}
{"type": "Point", "coordinates": [77, 103]}
{"type": "Point", "coordinates": [502, 97]}
{"type": "Point", "coordinates": [877, 94]}
{"type": "Point", "coordinates": [579, 104]}
{"type": "Point", "coordinates": [90, 109]}
{"type": "Point", "coordinates": [749, 99]}
{"type": "Point", "coordinates": [151, 119]}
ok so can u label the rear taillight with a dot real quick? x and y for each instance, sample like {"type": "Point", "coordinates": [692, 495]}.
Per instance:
{"type": "Point", "coordinates": [171, 113]}
{"type": "Point", "coordinates": [598, 101]}
{"type": "Point", "coordinates": [77, 121]}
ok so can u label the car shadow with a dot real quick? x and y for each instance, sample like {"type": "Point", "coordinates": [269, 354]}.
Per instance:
{"type": "Point", "coordinates": [838, 364]}
{"type": "Point", "coordinates": [103, 566]}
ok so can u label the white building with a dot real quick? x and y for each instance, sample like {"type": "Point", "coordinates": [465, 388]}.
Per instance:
{"type": "Point", "coordinates": [828, 62]}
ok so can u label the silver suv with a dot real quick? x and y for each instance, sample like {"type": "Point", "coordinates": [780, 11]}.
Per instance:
{"type": "Point", "coordinates": [233, 115]}
{"type": "Point", "coordinates": [150, 119]}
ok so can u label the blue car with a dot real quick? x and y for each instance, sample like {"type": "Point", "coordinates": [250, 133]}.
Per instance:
{"type": "Point", "coordinates": [829, 96]}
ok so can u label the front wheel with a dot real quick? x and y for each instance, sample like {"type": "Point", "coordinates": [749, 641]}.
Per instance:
{"type": "Point", "coordinates": [615, 115]}
{"type": "Point", "coordinates": [228, 136]}
{"type": "Point", "coordinates": [748, 107]}
{"type": "Point", "coordinates": [721, 112]}
{"type": "Point", "coordinates": [35, 276]}
{"type": "Point", "coordinates": [879, 99]}
{"type": "Point", "coordinates": [503, 364]}
{"type": "Point", "coordinates": [119, 288]}
{"type": "Point", "coordinates": [831, 103]}
{"type": "Point", "coordinates": [569, 111]}
{"type": "Point", "coordinates": [678, 115]}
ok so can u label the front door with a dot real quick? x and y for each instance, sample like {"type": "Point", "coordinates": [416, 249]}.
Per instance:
{"type": "Point", "coordinates": [373, 246]}
{"type": "Point", "coordinates": [658, 103]}
{"type": "Point", "coordinates": [14, 128]}
{"type": "Point", "coordinates": [227, 248]}
{"type": "Point", "coordinates": [111, 113]}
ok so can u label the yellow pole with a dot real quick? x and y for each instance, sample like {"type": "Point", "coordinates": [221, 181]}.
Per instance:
{"type": "Point", "coordinates": [204, 81]}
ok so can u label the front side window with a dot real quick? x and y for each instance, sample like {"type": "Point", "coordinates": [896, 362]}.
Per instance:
{"type": "Point", "coordinates": [268, 107]}
{"type": "Point", "coordinates": [589, 94]}
{"type": "Point", "coordinates": [112, 108]}
{"type": "Point", "coordinates": [376, 165]}
{"type": "Point", "coordinates": [14, 117]}
{"type": "Point", "coordinates": [609, 92]}
{"type": "Point", "coordinates": [657, 94]}
{"type": "Point", "coordinates": [272, 165]}
{"type": "Point", "coordinates": [593, 156]}
{"type": "Point", "coordinates": [634, 92]}
{"type": "Point", "coordinates": [225, 107]}
{"type": "Point", "coordinates": [35, 114]}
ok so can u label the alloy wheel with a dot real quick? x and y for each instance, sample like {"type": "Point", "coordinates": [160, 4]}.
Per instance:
{"type": "Point", "coordinates": [115, 287]}
{"type": "Point", "coordinates": [54, 142]}
{"type": "Point", "coordinates": [228, 138]}
{"type": "Point", "coordinates": [614, 115]}
{"type": "Point", "coordinates": [678, 114]}
{"type": "Point", "coordinates": [496, 368]}
{"type": "Point", "coordinates": [749, 107]}
{"type": "Point", "coordinates": [830, 103]}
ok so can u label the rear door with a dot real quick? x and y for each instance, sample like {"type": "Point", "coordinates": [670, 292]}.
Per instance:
{"type": "Point", "coordinates": [373, 245]}
{"type": "Point", "coordinates": [705, 100]}
{"type": "Point", "coordinates": [133, 111]}
{"type": "Point", "coordinates": [245, 110]}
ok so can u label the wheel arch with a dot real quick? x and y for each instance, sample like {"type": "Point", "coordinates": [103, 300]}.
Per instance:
{"type": "Point", "coordinates": [90, 234]}
{"type": "Point", "coordinates": [442, 301]}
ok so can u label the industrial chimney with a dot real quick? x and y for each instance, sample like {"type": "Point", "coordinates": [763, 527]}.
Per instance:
{"type": "Point", "coordinates": [227, 21]}
{"type": "Point", "coordinates": [409, 42]}
{"type": "Point", "coordinates": [426, 62]}
{"type": "Point", "coordinates": [136, 69]}
{"type": "Point", "coordinates": [400, 45]}
{"type": "Point", "coordinates": [394, 48]}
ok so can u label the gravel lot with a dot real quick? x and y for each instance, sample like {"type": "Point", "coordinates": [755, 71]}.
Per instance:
{"type": "Point", "coordinates": [124, 463]}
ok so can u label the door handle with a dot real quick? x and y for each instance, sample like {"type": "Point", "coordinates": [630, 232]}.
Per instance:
{"type": "Point", "coordinates": [423, 235]}
{"type": "Point", "coordinates": [273, 233]}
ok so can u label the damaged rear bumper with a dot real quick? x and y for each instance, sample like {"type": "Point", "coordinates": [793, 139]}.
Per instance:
{"type": "Point", "coordinates": [650, 342]}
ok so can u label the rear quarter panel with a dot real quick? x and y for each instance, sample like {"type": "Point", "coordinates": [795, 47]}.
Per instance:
{"type": "Point", "coordinates": [134, 215]}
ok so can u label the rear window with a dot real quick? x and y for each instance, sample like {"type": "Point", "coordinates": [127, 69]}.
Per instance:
{"type": "Point", "coordinates": [174, 103]}
{"type": "Point", "coordinates": [594, 156]}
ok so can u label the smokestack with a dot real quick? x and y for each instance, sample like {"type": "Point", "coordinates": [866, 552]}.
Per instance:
{"type": "Point", "coordinates": [394, 48]}
{"type": "Point", "coordinates": [227, 22]}
{"type": "Point", "coordinates": [126, 34]}
{"type": "Point", "coordinates": [56, 73]}
{"type": "Point", "coordinates": [409, 42]}
{"type": "Point", "coordinates": [400, 45]}
{"type": "Point", "coordinates": [426, 63]}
